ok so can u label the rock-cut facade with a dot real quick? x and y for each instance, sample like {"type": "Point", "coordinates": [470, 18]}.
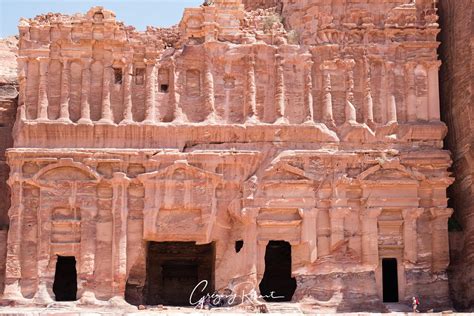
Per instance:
{"type": "Point", "coordinates": [295, 149]}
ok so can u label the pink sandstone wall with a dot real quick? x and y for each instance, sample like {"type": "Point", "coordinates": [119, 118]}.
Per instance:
{"type": "Point", "coordinates": [457, 91]}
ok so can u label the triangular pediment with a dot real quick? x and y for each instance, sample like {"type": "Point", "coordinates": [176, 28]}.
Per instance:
{"type": "Point", "coordinates": [181, 170]}
{"type": "Point", "coordinates": [285, 171]}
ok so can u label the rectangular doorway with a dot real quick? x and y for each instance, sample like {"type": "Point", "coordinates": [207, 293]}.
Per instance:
{"type": "Point", "coordinates": [65, 279]}
{"type": "Point", "coordinates": [390, 280]}
{"type": "Point", "coordinates": [174, 269]}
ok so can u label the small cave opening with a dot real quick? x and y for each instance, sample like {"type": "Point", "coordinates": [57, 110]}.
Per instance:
{"type": "Point", "coordinates": [238, 245]}
{"type": "Point", "coordinates": [65, 279]}
{"type": "Point", "coordinates": [118, 75]}
{"type": "Point", "coordinates": [277, 284]}
{"type": "Point", "coordinates": [390, 280]}
{"type": "Point", "coordinates": [164, 88]}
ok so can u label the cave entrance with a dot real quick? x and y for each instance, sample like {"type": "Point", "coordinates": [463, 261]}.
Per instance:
{"type": "Point", "coordinates": [174, 269]}
{"type": "Point", "coordinates": [277, 284]}
{"type": "Point", "coordinates": [390, 280]}
{"type": "Point", "coordinates": [65, 279]}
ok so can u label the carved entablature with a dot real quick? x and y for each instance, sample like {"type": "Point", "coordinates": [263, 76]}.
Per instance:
{"type": "Point", "coordinates": [180, 203]}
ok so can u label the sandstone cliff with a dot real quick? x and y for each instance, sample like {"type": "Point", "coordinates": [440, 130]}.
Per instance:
{"type": "Point", "coordinates": [457, 97]}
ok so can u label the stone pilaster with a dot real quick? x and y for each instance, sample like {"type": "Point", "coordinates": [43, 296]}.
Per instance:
{"type": "Point", "coordinates": [15, 213]}
{"type": "Point", "coordinates": [369, 230]}
{"type": "Point", "coordinates": [391, 101]}
{"type": "Point", "coordinates": [150, 93]}
{"type": "Point", "coordinates": [433, 91]}
{"type": "Point", "coordinates": [308, 90]}
{"type": "Point", "coordinates": [85, 93]}
{"type": "Point", "coordinates": [309, 232]}
{"type": "Point", "coordinates": [280, 91]}
{"type": "Point", "coordinates": [22, 76]}
{"type": "Point", "coordinates": [106, 117]}
{"type": "Point", "coordinates": [251, 91]}
{"type": "Point", "coordinates": [368, 101]}
{"type": "Point", "coordinates": [337, 216]}
{"type": "Point", "coordinates": [410, 217]}
{"type": "Point", "coordinates": [209, 97]}
{"type": "Point", "coordinates": [327, 113]}
{"type": "Point", "coordinates": [179, 116]}
{"type": "Point", "coordinates": [249, 217]}
{"type": "Point", "coordinates": [120, 183]}
{"type": "Point", "coordinates": [43, 89]}
{"type": "Point", "coordinates": [440, 238]}
{"type": "Point", "coordinates": [65, 86]}
{"type": "Point", "coordinates": [127, 94]}
{"type": "Point", "coordinates": [410, 91]}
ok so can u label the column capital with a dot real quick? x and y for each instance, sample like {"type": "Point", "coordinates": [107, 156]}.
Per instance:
{"type": "Point", "coordinates": [339, 212]}
{"type": "Point", "coordinates": [429, 64]}
{"type": "Point", "coordinates": [371, 212]}
{"type": "Point", "coordinates": [308, 212]}
{"type": "Point", "coordinates": [249, 215]}
{"type": "Point", "coordinates": [412, 213]}
{"type": "Point", "coordinates": [442, 213]}
{"type": "Point", "coordinates": [120, 178]}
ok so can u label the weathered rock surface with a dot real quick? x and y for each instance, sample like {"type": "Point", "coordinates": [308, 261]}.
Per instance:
{"type": "Point", "coordinates": [458, 110]}
{"type": "Point", "coordinates": [314, 136]}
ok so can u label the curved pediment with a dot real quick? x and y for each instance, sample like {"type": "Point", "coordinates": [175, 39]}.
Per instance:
{"type": "Point", "coordinates": [66, 169]}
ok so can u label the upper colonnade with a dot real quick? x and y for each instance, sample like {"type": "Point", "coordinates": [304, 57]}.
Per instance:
{"type": "Point", "coordinates": [366, 73]}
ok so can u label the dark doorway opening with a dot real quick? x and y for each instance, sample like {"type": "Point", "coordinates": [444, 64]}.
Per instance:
{"type": "Point", "coordinates": [277, 284]}
{"type": "Point", "coordinates": [65, 279]}
{"type": "Point", "coordinates": [174, 269]}
{"type": "Point", "coordinates": [390, 280]}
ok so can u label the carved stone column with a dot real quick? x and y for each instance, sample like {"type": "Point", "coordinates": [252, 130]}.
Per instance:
{"type": "Point", "coordinates": [327, 114]}
{"type": "Point", "coordinates": [440, 238]}
{"type": "Point", "coordinates": [251, 90]}
{"type": "Point", "coordinates": [383, 87]}
{"type": "Point", "coordinates": [392, 103]}
{"type": "Point", "coordinates": [150, 92]}
{"type": "Point", "coordinates": [65, 86]}
{"type": "Point", "coordinates": [369, 104]}
{"type": "Point", "coordinates": [22, 74]}
{"type": "Point", "coordinates": [350, 110]}
{"type": "Point", "coordinates": [85, 93]}
{"type": "Point", "coordinates": [433, 90]}
{"type": "Point", "coordinates": [308, 90]}
{"type": "Point", "coordinates": [249, 218]}
{"type": "Point", "coordinates": [43, 89]}
{"type": "Point", "coordinates": [106, 117]}
{"type": "Point", "coordinates": [280, 91]}
{"type": "Point", "coordinates": [88, 250]}
{"type": "Point", "coordinates": [309, 232]}
{"type": "Point", "coordinates": [120, 183]}
{"type": "Point", "coordinates": [13, 267]}
{"type": "Point", "coordinates": [179, 115]}
{"type": "Point", "coordinates": [410, 91]}
{"type": "Point", "coordinates": [369, 230]}
{"type": "Point", "coordinates": [127, 95]}
{"type": "Point", "coordinates": [209, 97]}
{"type": "Point", "coordinates": [410, 234]}
{"type": "Point", "coordinates": [336, 216]}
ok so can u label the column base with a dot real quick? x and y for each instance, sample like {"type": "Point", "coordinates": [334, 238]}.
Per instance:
{"type": "Point", "coordinates": [105, 121]}
{"type": "Point", "coordinates": [12, 292]}
{"type": "Point", "coordinates": [282, 121]}
{"type": "Point", "coordinates": [64, 120]}
{"type": "Point", "coordinates": [42, 295]}
{"type": "Point", "coordinates": [252, 120]}
{"type": "Point", "coordinates": [84, 121]}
